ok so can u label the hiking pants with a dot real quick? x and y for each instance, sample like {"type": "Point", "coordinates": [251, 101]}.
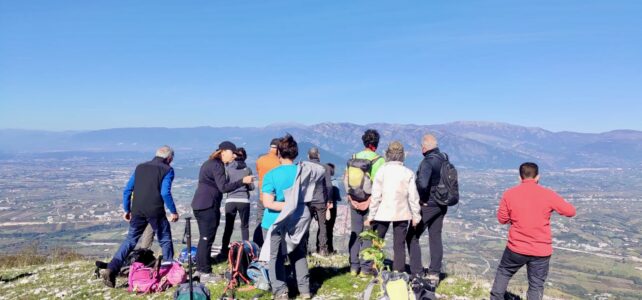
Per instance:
{"type": "Point", "coordinates": [356, 244]}
{"type": "Point", "coordinates": [399, 232]}
{"type": "Point", "coordinates": [146, 240]}
{"type": "Point", "coordinates": [231, 208]}
{"type": "Point", "coordinates": [207, 220]}
{"type": "Point", "coordinates": [536, 269]}
{"type": "Point", "coordinates": [432, 218]}
{"type": "Point", "coordinates": [317, 210]}
{"type": "Point", "coordinates": [329, 225]}
{"type": "Point", "coordinates": [137, 225]}
{"type": "Point", "coordinates": [278, 253]}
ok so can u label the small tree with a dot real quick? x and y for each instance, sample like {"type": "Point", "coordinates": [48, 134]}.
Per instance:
{"type": "Point", "coordinates": [375, 254]}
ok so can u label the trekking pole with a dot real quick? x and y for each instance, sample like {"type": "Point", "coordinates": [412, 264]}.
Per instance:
{"type": "Point", "coordinates": [188, 236]}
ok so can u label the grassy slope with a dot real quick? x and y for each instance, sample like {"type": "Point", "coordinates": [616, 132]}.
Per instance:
{"type": "Point", "coordinates": [74, 280]}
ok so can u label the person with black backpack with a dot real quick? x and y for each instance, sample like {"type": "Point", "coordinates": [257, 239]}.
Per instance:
{"type": "Point", "coordinates": [361, 170]}
{"type": "Point", "coordinates": [435, 194]}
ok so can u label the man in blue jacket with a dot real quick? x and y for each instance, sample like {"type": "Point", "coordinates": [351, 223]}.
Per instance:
{"type": "Point", "coordinates": [151, 184]}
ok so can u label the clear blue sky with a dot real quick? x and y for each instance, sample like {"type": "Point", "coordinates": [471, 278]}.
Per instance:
{"type": "Point", "coordinates": [559, 65]}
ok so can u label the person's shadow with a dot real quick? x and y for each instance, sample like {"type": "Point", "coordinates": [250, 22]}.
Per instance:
{"type": "Point", "coordinates": [318, 276]}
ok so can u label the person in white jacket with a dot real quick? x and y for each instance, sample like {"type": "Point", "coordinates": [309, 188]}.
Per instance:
{"type": "Point", "coordinates": [394, 200]}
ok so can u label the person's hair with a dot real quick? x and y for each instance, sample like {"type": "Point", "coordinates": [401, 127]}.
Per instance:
{"type": "Point", "coordinates": [287, 147]}
{"type": "Point", "coordinates": [241, 155]}
{"type": "Point", "coordinates": [370, 138]}
{"type": "Point", "coordinates": [216, 154]}
{"type": "Point", "coordinates": [528, 170]}
{"type": "Point", "coordinates": [429, 141]}
{"type": "Point", "coordinates": [165, 152]}
{"type": "Point", "coordinates": [395, 152]}
{"type": "Point", "coordinates": [313, 153]}
{"type": "Point", "coordinates": [331, 165]}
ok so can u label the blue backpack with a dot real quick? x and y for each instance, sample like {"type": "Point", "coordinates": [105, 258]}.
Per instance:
{"type": "Point", "coordinates": [184, 255]}
{"type": "Point", "coordinates": [257, 272]}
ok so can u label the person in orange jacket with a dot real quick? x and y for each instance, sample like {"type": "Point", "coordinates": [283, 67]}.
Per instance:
{"type": "Point", "coordinates": [264, 164]}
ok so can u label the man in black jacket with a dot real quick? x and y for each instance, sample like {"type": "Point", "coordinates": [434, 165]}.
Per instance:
{"type": "Point", "coordinates": [432, 214]}
{"type": "Point", "coordinates": [151, 183]}
{"type": "Point", "coordinates": [321, 201]}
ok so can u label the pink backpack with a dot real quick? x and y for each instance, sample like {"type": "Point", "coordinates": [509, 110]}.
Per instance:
{"type": "Point", "coordinates": [174, 274]}
{"type": "Point", "coordinates": [143, 279]}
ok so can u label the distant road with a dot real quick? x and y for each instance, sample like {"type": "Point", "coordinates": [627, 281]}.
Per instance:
{"type": "Point", "coordinates": [575, 250]}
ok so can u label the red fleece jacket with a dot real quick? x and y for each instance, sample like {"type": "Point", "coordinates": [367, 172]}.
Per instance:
{"type": "Point", "coordinates": [528, 207]}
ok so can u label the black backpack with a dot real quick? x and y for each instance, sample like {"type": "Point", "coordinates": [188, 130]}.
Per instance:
{"type": "Point", "coordinates": [446, 192]}
{"type": "Point", "coordinates": [145, 256]}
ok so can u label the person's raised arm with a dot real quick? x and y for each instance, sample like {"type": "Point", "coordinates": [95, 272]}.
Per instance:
{"type": "Point", "coordinates": [562, 207]}
{"type": "Point", "coordinates": [223, 184]}
{"type": "Point", "coordinates": [503, 214]}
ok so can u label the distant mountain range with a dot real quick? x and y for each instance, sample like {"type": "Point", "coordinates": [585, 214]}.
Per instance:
{"type": "Point", "coordinates": [478, 145]}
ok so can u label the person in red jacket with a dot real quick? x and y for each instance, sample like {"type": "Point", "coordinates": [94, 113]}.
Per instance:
{"type": "Point", "coordinates": [527, 207]}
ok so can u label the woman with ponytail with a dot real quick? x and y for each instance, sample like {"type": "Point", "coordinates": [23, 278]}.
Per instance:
{"type": "Point", "coordinates": [212, 184]}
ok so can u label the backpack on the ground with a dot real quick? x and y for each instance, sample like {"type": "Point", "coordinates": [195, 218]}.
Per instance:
{"type": "Point", "coordinates": [395, 287]}
{"type": "Point", "coordinates": [157, 278]}
{"type": "Point", "coordinates": [257, 272]}
{"type": "Point", "coordinates": [359, 182]}
{"type": "Point", "coordinates": [422, 289]}
{"type": "Point", "coordinates": [144, 256]}
{"type": "Point", "coordinates": [446, 192]}
{"type": "Point", "coordinates": [191, 290]}
{"type": "Point", "coordinates": [144, 279]}
{"type": "Point", "coordinates": [239, 257]}
{"type": "Point", "coordinates": [183, 256]}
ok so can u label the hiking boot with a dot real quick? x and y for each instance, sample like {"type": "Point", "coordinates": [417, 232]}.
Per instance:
{"type": "Point", "coordinates": [367, 273]}
{"type": "Point", "coordinates": [433, 278]}
{"type": "Point", "coordinates": [282, 295]}
{"type": "Point", "coordinates": [354, 272]}
{"type": "Point", "coordinates": [109, 279]}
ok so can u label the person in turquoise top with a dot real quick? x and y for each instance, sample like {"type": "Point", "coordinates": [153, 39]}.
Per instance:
{"type": "Point", "coordinates": [359, 210]}
{"type": "Point", "coordinates": [275, 182]}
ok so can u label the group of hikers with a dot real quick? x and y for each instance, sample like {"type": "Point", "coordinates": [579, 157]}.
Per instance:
{"type": "Point", "coordinates": [380, 190]}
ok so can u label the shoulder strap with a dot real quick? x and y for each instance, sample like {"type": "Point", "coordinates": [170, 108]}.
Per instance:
{"type": "Point", "coordinates": [368, 291]}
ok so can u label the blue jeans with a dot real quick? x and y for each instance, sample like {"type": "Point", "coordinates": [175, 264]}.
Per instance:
{"type": "Point", "coordinates": [137, 225]}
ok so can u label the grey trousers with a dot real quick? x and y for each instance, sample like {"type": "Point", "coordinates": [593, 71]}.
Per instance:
{"type": "Point", "coordinates": [278, 253]}
{"type": "Point", "coordinates": [146, 239]}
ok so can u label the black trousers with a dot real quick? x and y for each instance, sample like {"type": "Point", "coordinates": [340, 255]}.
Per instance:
{"type": "Point", "coordinates": [207, 220]}
{"type": "Point", "coordinates": [432, 218]}
{"type": "Point", "coordinates": [317, 210]}
{"type": "Point", "coordinates": [330, 227]}
{"type": "Point", "coordinates": [536, 269]}
{"type": "Point", "coordinates": [399, 232]}
{"type": "Point", "coordinates": [231, 209]}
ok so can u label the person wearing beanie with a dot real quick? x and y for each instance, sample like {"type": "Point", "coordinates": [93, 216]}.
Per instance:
{"type": "Point", "coordinates": [206, 204]}
{"type": "Point", "coordinates": [395, 201]}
